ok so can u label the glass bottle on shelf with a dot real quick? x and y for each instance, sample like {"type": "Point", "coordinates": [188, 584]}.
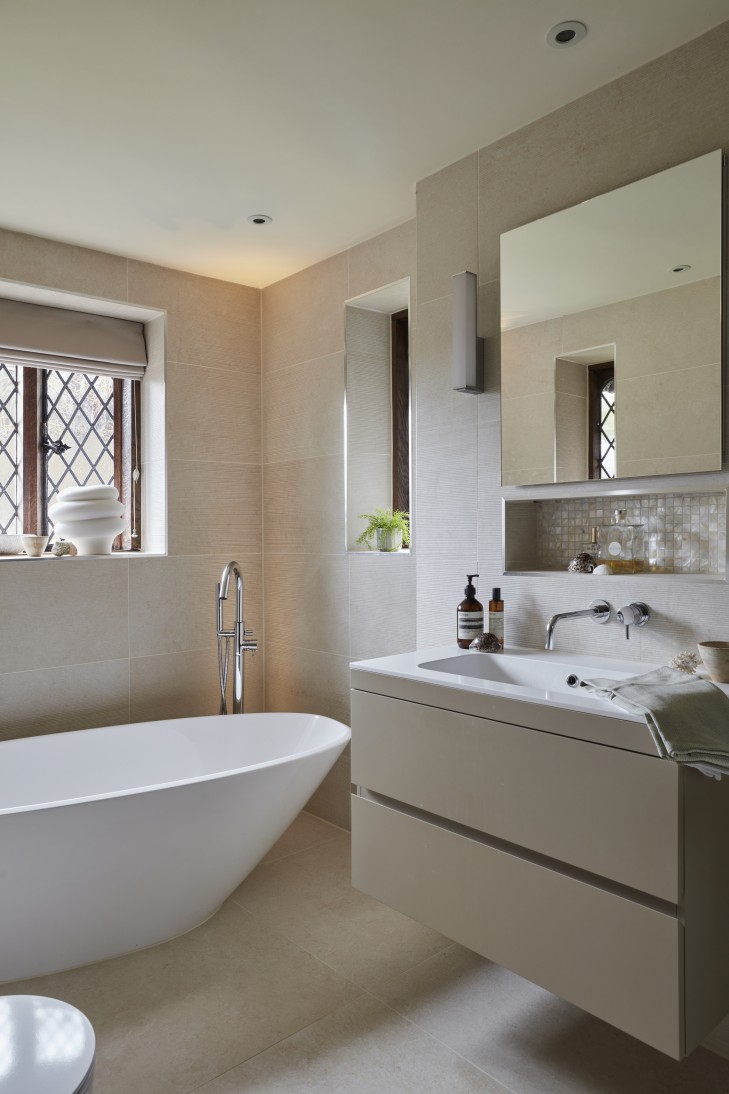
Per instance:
{"type": "Point", "coordinates": [623, 550]}
{"type": "Point", "coordinates": [593, 548]}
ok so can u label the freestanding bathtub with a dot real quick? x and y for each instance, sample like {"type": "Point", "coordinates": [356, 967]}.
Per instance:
{"type": "Point", "coordinates": [118, 838]}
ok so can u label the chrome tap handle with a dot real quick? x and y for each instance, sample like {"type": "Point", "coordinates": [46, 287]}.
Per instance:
{"type": "Point", "coordinates": [633, 615]}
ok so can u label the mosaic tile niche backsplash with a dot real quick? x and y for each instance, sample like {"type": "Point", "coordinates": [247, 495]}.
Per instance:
{"type": "Point", "coordinates": [682, 533]}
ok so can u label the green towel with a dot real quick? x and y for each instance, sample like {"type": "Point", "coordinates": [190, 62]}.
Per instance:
{"type": "Point", "coordinates": [688, 716]}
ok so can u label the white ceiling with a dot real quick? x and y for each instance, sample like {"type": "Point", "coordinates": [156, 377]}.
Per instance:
{"type": "Point", "coordinates": [153, 128]}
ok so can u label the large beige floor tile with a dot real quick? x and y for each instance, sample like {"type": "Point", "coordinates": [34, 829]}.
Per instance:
{"type": "Point", "coordinates": [175, 1016]}
{"type": "Point", "coordinates": [363, 1049]}
{"type": "Point", "coordinates": [534, 1042]}
{"type": "Point", "coordinates": [305, 832]}
{"type": "Point", "coordinates": [310, 900]}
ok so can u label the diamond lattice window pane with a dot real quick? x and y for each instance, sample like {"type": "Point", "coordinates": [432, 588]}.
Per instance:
{"type": "Point", "coordinates": [79, 412]}
{"type": "Point", "coordinates": [11, 449]}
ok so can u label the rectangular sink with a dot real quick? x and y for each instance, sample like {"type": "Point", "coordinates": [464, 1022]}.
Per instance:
{"type": "Point", "coordinates": [526, 671]}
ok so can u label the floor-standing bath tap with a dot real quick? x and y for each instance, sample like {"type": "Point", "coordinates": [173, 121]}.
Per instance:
{"type": "Point", "coordinates": [242, 639]}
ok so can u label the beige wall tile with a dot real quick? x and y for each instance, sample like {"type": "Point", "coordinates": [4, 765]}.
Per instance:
{"type": "Point", "coordinates": [447, 476]}
{"type": "Point", "coordinates": [213, 415]}
{"type": "Point", "coordinates": [528, 358]}
{"type": "Point", "coordinates": [63, 612]}
{"type": "Point", "coordinates": [214, 507]}
{"type": "Point", "coordinates": [436, 403]}
{"type": "Point", "coordinates": [56, 700]}
{"type": "Point", "coordinates": [303, 410]}
{"type": "Point", "coordinates": [441, 580]}
{"type": "Point", "coordinates": [307, 602]}
{"type": "Point", "coordinates": [332, 798]}
{"type": "Point", "coordinates": [209, 323]}
{"type": "Point", "coordinates": [308, 681]}
{"type": "Point", "coordinates": [527, 435]}
{"type": "Point", "coordinates": [62, 266]}
{"type": "Point", "coordinates": [303, 505]}
{"type": "Point", "coordinates": [571, 447]}
{"type": "Point", "coordinates": [172, 602]}
{"type": "Point", "coordinates": [382, 603]}
{"type": "Point", "coordinates": [174, 685]}
{"type": "Point", "coordinates": [381, 261]}
{"type": "Point", "coordinates": [447, 227]}
{"type": "Point", "coordinates": [303, 315]}
{"type": "Point", "coordinates": [669, 415]}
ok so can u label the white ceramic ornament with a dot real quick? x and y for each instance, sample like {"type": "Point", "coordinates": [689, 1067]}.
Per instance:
{"type": "Point", "coordinates": [90, 516]}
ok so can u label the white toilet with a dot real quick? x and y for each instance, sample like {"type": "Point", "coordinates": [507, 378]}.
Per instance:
{"type": "Point", "coordinates": [46, 1047]}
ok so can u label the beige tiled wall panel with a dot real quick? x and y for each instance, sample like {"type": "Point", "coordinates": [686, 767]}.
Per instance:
{"type": "Point", "coordinates": [447, 227]}
{"type": "Point", "coordinates": [303, 315]}
{"type": "Point", "coordinates": [224, 426]}
{"type": "Point", "coordinates": [670, 415]}
{"type": "Point", "coordinates": [305, 680]}
{"type": "Point", "coordinates": [210, 323]}
{"type": "Point", "coordinates": [303, 505]}
{"type": "Point", "coordinates": [63, 612]}
{"type": "Point", "coordinates": [303, 409]}
{"type": "Point", "coordinates": [307, 602]}
{"type": "Point", "coordinates": [213, 507]}
{"type": "Point", "coordinates": [98, 642]}
{"type": "Point", "coordinates": [383, 260]}
{"type": "Point", "coordinates": [172, 601]}
{"type": "Point", "coordinates": [382, 604]}
{"type": "Point", "coordinates": [53, 700]}
{"type": "Point", "coordinates": [174, 685]}
{"type": "Point", "coordinates": [55, 265]}
{"type": "Point", "coordinates": [437, 404]}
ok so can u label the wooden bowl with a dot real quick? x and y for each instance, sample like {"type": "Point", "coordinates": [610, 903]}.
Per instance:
{"type": "Point", "coordinates": [715, 656]}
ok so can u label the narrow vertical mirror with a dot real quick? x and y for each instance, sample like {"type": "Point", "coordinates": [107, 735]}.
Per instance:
{"type": "Point", "coordinates": [377, 407]}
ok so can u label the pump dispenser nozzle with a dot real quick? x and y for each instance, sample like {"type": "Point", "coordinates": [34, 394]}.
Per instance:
{"type": "Point", "coordinates": [470, 589]}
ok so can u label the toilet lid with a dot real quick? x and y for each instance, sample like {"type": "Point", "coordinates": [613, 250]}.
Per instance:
{"type": "Point", "coordinates": [46, 1046]}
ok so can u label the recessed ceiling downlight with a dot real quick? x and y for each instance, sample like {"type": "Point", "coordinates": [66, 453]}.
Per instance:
{"type": "Point", "coordinates": [680, 268]}
{"type": "Point", "coordinates": [260, 218]}
{"type": "Point", "coordinates": [566, 34]}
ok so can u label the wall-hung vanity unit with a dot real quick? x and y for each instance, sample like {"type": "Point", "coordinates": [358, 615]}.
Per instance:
{"type": "Point", "coordinates": [539, 827]}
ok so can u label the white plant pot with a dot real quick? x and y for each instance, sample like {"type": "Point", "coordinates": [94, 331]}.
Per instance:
{"type": "Point", "coordinates": [389, 541]}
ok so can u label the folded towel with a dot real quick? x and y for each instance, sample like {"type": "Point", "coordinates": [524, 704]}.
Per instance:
{"type": "Point", "coordinates": [688, 716]}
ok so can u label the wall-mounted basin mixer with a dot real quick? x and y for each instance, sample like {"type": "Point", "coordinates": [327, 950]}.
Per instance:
{"type": "Point", "coordinates": [599, 612]}
{"type": "Point", "coordinates": [634, 615]}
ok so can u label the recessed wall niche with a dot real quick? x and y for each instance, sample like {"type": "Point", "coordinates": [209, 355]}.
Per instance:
{"type": "Point", "coordinates": [683, 534]}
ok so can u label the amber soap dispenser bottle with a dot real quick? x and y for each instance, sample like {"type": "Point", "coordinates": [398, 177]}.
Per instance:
{"type": "Point", "coordinates": [469, 616]}
{"type": "Point", "coordinates": [496, 616]}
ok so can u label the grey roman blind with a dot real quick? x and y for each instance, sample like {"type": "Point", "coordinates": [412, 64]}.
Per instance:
{"type": "Point", "coordinates": [76, 341]}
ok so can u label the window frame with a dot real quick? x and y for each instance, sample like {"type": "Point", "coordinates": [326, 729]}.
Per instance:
{"type": "Point", "coordinates": [127, 453]}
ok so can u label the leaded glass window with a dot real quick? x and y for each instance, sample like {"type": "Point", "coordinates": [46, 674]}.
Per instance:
{"type": "Point", "coordinates": [11, 451]}
{"type": "Point", "coordinates": [601, 384]}
{"type": "Point", "coordinates": [78, 412]}
{"type": "Point", "coordinates": [60, 429]}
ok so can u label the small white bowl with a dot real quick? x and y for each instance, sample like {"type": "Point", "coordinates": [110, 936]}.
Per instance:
{"type": "Point", "coordinates": [35, 545]}
{"type": "Point", "coordinates": [715, 656]}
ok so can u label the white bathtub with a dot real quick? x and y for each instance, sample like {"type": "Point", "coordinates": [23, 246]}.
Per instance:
{"type": "Point", "coordinates": [118, 838]}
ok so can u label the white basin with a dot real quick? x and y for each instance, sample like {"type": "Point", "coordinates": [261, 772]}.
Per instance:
{"type": "Point", "coordinates": [526, 669]}
{"type": "Point", "coordinates": [529, 675]}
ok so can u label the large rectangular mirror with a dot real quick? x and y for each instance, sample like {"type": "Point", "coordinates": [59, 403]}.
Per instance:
{"type": "Point", "coordinates": [611, 333]}
{"type": "Point", "coordinates": [377, 407]}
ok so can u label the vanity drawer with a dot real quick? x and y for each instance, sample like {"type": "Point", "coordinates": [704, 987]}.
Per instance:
{"type": "Point", "coordinates": [612, 956]}
{"type": "Point", "coordinates": [604, 810]}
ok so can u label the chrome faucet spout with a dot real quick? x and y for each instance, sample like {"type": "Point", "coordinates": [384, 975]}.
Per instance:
{"type": "Point", "coordinates": [243, 641]}
{"type": "Point", "coordinates": [599, 611]}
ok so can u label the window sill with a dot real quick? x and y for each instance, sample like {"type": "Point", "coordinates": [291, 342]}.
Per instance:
{"type": "Point", "coordinates": [21, 556]}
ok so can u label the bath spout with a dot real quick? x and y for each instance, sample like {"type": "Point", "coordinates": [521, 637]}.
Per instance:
{"type": "Point", "coordinates": [243, 640]}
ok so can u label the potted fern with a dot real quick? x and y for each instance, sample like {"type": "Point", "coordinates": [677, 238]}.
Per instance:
{"type": "Point", "coordinates": [389, 528]}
